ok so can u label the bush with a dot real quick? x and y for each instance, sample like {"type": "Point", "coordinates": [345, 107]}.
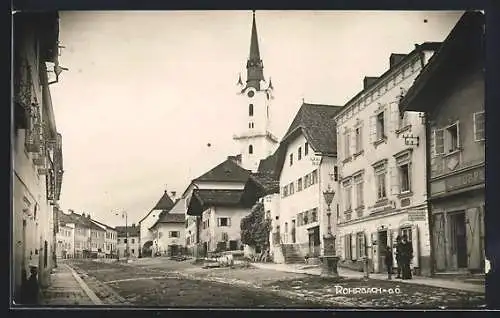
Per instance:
{"type": "Point", "coordinates": [255, 228]}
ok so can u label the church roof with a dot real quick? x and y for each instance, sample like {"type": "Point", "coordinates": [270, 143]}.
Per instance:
{"type": "Point", "coordinates": [254, 42]}
{"type": "Point", "coordinates": [227, 171]}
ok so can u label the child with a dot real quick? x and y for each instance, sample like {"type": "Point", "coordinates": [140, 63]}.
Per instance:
{"type": "Point", "coordinates": [388, 261]}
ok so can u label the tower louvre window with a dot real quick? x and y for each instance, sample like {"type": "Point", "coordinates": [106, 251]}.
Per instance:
{"type": "Point", "coordinates": [250, 149]}
{"type": "Point", "coordinates": [250, 110]}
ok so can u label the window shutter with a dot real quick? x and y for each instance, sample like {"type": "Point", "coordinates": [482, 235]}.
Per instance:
{"type": "Point", "coordinates": [373, 129]}
{"type": "Point", "coordinates": [473, 228]}
{"type": "Point", "coordinates": [353, 141]}
{"type": "Point", "coordinates": [228, 221]}
{"type": "Point", "coordinates": [439, 142]}
{"type": "Point", "coordinates": [363, 244]}
{"type": "Point", "coordinates": [340, 151]}
{"type": "Point", "coordinates": [458, 135]}
{"type": "Point", "coordinates": [344, 244]}
{"type": "Point", "coordinates": [395, 121]}
{"type": "Point", "coordinates": [354, 247]}
{"type": "Point", "coordinates": [479, 131]}
{"type": "Point", "coordinates": [387, 121]}
{"type": "Point", "coordinates": [394, 175]}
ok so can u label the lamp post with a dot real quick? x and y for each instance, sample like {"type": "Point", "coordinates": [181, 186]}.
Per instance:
{"type": "Point", "coordinates": [329, 268]}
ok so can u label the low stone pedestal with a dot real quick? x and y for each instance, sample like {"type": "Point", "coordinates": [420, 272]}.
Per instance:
{"type": "Point", "coordinates": [329, 266]}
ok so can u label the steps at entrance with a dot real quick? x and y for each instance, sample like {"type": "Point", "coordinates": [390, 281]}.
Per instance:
{"type": "Point", "coordinates": [291, 254]}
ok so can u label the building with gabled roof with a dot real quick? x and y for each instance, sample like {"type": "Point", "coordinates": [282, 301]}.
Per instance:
{"type": "Point", "coordinates": [450, 91]}
{"type": "Point", "coordinates": [128, 241]}
{"type": "Point", "coordinates": [168, 231]}
{"type": "Point", "coordinates": [305, 167]}
{"type": "Point", "coordinates": [165, 203]}
{"type": "Point", "coordinates": [381, 154]}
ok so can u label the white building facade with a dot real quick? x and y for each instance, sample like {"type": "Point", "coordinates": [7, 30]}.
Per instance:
{"type": "Point", "coordinates": [306, 170]}
{"type": "Point", "coordinates": [65, 241]}
{"type": "Point", "coordinates": [382, 184]}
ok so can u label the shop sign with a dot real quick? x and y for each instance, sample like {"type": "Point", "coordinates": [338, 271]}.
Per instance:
{"type": "Point", "coordinates": [465, 179]}
{"type": "Point", "coordinates": [416, 215]}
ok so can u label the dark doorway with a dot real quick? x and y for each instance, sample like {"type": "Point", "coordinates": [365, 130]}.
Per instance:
{"type": "Point", "coordinates": [314, 241]}
{"type": "Point", "coordinates": [382, 243]}
{"type": "Point", "coordinates": [294, 237]}
{"type": "Point", "coordinates": [458, 238]}
{"type": "Point", "coordinates": [233, 245]}
{"type": "Point", "coordinates": [205, 249]}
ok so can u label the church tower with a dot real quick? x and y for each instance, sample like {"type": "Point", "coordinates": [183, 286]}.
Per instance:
{"type": "Point", "coordinates": [255, 140]}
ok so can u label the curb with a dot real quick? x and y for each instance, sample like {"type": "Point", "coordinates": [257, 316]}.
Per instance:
{"type": "Point", "coordinates": [85, 287]}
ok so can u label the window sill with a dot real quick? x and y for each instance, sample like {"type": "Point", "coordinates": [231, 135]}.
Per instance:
{"type": "Point", "coordinates": [406, 194]}
{"type": "Point", "coordinates": [359, 208]}
{"type": "Point", "coordinates": [381, 202]}
{"type": "Point", "coordinates": [359, 153]}
{"type": "Point", "coordinates": [348, 211]}
{"type": "Point", "coordinates": [346, 160]}
{"type": "Point", "coordinates": [380, 141]}
{"type": "Point", "coordinates": [403, 129]}
{"type": "Point", "coordinates": [451, 153]}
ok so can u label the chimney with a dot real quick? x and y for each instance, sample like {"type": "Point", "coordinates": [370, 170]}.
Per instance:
{"type": "Point", "coordinates": [395, 59]}
{"type": "Point", "coordinates": [236, 159]}
{"type": "Point", "coordinates": [88, 216]}
{"type": "Point", "coordinates": [368, 81]}
{"type": "Point", "coordinates": [71, 211]}
{"type": "Point", "coordinates": [173, 193]}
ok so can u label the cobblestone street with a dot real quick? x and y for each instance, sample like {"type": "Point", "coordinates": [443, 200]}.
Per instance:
{"type": "Point", "coordinates": [161, 282]}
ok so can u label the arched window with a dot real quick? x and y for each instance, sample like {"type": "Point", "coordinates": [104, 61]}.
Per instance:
{"type": "Point", "coordinates": [250, 149]}
{"type": "Point", "coordinates": [250, 110]}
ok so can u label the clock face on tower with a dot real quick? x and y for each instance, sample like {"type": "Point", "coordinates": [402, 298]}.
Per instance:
{"type": "Point", "coordinates": [250, 94]}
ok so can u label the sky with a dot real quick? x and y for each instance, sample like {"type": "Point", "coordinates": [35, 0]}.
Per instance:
{"type": "Point", "coordinates": [147, 91]}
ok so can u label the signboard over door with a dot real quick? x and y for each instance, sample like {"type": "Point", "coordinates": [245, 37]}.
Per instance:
{"type": "Point", "coordinates": [416, 215]}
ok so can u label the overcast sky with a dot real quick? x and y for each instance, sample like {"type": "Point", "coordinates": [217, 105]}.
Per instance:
{"type": "Point", "coordinates": [146, 91]}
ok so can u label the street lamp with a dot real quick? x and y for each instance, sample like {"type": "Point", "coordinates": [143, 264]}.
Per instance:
{"type": "Point", "coordinates": [329, 259]}
{"type": "Point", "coordinates": [329, 194]}
{"type": "Point", "coordinates": [125, 215]}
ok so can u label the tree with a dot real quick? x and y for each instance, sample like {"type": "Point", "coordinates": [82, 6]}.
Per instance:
{"type": "Point", "coordinates": [255, 228]}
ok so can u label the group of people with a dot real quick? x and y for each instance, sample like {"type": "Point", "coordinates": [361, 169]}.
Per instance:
{"type": "Point", "coordinates": [404, 255]}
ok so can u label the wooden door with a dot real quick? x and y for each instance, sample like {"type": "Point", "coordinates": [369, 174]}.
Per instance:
{"type": "Point", "coordinates": [382, 238]}
{"type": "Point", "coordinates": [439, 244]}
{"type": "Point", "coordinates": [473, 234]}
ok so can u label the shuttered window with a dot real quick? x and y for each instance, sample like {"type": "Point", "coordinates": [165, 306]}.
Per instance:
{"type": "Point", "coordinates": [347, 246]}
{"type": "Point", "coordinates": [478, 118]}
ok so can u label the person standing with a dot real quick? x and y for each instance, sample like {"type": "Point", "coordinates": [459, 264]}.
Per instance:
{"type": "Point", "coordinates": [398, 256]}
{"type": "Point", "coordinates": [388, 261]}
{"type": "Point", "coordinates": [407, 250]}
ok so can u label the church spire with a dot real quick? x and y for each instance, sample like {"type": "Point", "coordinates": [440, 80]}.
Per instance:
{"type": "Point", "coordinates": [255, 68]}
{"type": "Point", "coordinates": [254, 42]}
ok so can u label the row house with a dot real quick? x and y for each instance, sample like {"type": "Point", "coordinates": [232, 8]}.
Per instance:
{"type": "Point", "coordinates": [36, 147]}
{"type": "Point", "coordinates": [217, 200]}
{"type": "Point", "coordinates": [89, 237]}
{"type": "Point", "coordinates": [65, 236]}
{"type": "Point", "coordinates": [305, 168]}
{"type": "Point", "coordinates": [450, 90]}
{"type": "Point", "coordinates": [382, 189]}
{"type": "Point", "coordinates": [128, 243]}
{"type": "Point", "coordinates": [147, 236]}
{"type": "Point", "coordinates": [169, 231]}
{"type": "Point", "coordinates": [110, 239]}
